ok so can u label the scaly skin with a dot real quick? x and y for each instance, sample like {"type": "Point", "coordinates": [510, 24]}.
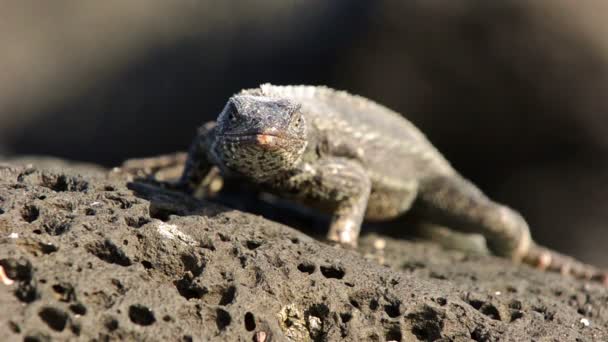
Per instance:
{"type": "Point", "coordinates": [357, 159]}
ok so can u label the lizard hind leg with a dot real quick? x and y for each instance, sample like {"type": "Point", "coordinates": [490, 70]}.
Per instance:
{"type": "Point", "coordinates": [458, 204]}
{"type": "Point", "coordinates": [454, 202]}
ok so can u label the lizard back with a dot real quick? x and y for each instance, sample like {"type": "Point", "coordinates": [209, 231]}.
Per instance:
{"type": "Point", "coordinates": [391, 148]}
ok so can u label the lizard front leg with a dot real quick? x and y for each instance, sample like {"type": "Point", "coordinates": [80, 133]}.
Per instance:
{"type": "Point", "coordinates": [344, 186]}
{"type": "Point", "coordinates": [200, 176]}
{"type": "Point", "coordinates": [189, 169]}
{"type": "Point", "coordinates": [193, 172]}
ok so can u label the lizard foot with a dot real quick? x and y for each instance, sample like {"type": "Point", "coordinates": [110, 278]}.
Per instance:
{"type": "Point", "coordinates": [344, 232]}
{"type": "Point", "coordinates": [165, 171]}
{"type": "Point", "coordinates": [159, 168]}
{"type": "Point", "coordinates": [546, 259]}
{"type": "Point", "coordinates": [342, 245]}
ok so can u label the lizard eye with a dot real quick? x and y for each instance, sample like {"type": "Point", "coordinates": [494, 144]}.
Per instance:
{"type": "Point", "coordinates": [232, 109]}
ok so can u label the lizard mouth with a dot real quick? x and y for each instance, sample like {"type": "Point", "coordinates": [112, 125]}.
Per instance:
{"type": "Point", "coordinates": [261, 139]}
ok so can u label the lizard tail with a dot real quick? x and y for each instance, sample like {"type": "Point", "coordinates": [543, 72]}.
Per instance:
{"type": "Point", "coordinates": [547, 259]}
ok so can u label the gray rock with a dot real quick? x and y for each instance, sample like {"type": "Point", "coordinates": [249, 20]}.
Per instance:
{"type": "Point", "coordinates": [90, 259]}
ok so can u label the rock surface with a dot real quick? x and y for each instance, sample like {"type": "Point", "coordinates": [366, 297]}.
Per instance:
{"type": "Point", "coordinates": [86, 258]}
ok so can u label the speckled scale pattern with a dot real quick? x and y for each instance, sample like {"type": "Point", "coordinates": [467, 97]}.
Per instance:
{"type": "Point", "coordinates": [361, 160]}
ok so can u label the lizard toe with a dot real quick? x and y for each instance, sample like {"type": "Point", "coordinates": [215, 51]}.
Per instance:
{"type": "Point", "coordinates": [601, 278]}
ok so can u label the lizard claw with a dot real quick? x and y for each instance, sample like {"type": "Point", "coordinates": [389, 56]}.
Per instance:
{"type": "Point", "coordinates": [341, 245]}
{"type": "Point", "coordinates": [601, 278]}
{"type": "Point", "coordinates": [544, 260]}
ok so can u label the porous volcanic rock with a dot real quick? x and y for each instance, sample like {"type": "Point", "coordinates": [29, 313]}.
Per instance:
{"type": "Point", "coordinates": [88, 258]}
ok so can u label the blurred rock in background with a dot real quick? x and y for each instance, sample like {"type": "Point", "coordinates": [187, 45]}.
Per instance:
{"type": "Point", "coordinates": [513, 92]}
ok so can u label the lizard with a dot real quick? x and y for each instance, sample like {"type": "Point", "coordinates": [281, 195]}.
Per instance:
{"type": "Point", "coordinates": [356, 159]}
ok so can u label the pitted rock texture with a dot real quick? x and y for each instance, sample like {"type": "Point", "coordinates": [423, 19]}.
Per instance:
{"type": "Point", "coordinates": [86, 258]}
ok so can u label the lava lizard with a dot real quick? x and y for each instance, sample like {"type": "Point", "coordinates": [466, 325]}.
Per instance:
{"type": "Point", "coordinates": [356, 159]}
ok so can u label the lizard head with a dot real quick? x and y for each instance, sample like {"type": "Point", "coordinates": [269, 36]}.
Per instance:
{"type": "Point", "coordinates": [260, 136]}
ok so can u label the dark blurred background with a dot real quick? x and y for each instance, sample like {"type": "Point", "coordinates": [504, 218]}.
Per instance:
{"type": "Point", "coordinates": [513, 92]}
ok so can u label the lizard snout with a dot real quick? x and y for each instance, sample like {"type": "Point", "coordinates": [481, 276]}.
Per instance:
{"type": "Point", "coordinates": [266, 139]}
